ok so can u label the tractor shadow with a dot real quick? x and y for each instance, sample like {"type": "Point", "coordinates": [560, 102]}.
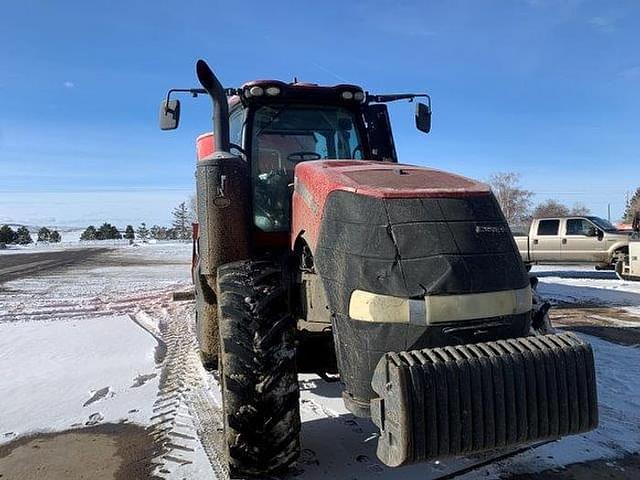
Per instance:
{"type": "Point", "coordinates": [344, 447]}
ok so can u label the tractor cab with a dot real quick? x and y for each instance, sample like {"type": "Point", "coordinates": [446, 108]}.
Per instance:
{"type": "Point", "coordinates": [274, 126]}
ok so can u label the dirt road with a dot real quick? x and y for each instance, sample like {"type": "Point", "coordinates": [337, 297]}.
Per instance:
{"type": "Point", "coordinates": [13, 266]}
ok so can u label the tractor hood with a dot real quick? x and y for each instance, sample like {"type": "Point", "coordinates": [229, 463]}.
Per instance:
{"type": "Point", "coordinates": [381, 180]}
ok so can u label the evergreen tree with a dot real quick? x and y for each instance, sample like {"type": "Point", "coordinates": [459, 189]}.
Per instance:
{"type": "Point", "coordinates": [172, 234]}
{"type": "Point", "coordinates": [23, 237]}
{"type": "Point", "coordinates": [181, 222]}
{"type": "Point", "coordinates": [7, 235]}
{"type": "Point", "coordinates": [44, 234]}
{"type": "Point", "coordinates": [632, 207]}
{"type": "Point", "coordinates": [55, 237]}
{"type": "Point", "coordinates": [129, 234]}
{"type": "Point", "coordinates": [108, 232]}
{"type": "Point", "coordinates": [158, 232]}
{"type": "Point", "coordinates": [143, 232]}
{"type": "Point", "coordinates": [115, 233]}
{"type": "Point", "coordinates": [90, 233]}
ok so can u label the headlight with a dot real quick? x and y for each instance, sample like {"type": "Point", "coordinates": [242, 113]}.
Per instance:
{"type": "Point", "coordinates": [256, 91]}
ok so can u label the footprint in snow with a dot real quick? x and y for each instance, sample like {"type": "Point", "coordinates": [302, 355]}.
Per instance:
{"type": "Point", "coordinates": [142, 379]}
{"type": "Point", "coordinates": [94, 419]}
{"type": "Point", "coordinates": [98, 395]}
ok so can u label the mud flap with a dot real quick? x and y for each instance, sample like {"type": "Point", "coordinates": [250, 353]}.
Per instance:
{"type": "Point", "coordinates": [466, 399]}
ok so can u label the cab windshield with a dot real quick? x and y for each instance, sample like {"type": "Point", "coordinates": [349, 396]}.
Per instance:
{"type": "Point", "coordinates": [285, 135]}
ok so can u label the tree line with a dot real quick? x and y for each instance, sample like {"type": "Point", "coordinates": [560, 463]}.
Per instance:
{"type": "Point", "coordinates": [180, 229]}
{"type": "Point", "coordinates": [517, 206]}
{"type": "Point", "coordinates": [22, 236]}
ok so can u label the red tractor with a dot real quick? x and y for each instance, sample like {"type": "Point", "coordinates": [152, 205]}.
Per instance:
{"type": "Point", "coordinates": [316, 251]}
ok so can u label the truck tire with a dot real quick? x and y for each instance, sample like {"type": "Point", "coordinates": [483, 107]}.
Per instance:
{"type": "Point", "coordinates": [207, 323]}
{"type": "Point", "coordinates": [258, 368]}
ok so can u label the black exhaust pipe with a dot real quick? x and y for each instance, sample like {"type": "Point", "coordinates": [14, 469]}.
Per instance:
{"type": "Point", "coordinates": [223, 195]}
{"type": "Point", "coordinates": [214, 88]}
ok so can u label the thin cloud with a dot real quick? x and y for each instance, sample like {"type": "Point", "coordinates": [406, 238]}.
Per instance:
{"type": "Point", "coordinates": [68, 84]}
{"type": "Point", "coordinates": [631, 72]}
{"type": "Point", "coordinates": [603, 24]}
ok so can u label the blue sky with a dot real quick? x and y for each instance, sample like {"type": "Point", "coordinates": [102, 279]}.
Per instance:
{"type": "Point", "coordinates": [549, 89]}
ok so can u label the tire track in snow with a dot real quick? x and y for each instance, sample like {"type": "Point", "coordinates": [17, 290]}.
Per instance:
{"type": "Point", "coordinates": [185, 411]}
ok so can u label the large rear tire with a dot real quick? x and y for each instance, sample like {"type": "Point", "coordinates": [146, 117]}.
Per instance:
{"type": "Point", "coordinates": [259, 379]}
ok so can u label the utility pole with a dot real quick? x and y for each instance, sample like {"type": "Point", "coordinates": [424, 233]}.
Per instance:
{"type": "Point", "coordinates": [609, 212]}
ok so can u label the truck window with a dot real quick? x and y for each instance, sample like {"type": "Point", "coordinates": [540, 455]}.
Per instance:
{"type": "Point", "coordinates": [548, 227]}
{"type": "Point", "coordinates": [579, 226]}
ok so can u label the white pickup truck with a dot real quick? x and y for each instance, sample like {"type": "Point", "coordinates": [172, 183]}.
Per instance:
{"type": "Point", "coordinates": [573, 240]}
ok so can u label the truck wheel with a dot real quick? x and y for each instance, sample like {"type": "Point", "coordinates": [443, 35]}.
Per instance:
{"type": "Point", "coordinates": [207, 323]}
{"type": "Point", "coordinates": [258, 368]}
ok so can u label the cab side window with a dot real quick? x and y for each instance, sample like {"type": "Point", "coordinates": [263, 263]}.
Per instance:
{"type": "Point", "coordinates": [548, 227]}
{"type": "Point", "coordinates": [579, 226]}
{"type": "Point", "coordinates": [236, 122]}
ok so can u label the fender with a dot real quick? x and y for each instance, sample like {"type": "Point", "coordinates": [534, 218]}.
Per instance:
{"type": "Point", "coordinates": [617, 246]}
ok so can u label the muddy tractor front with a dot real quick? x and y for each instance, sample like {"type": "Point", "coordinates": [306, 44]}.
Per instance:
{"type": "Point", "coordinates": [436, 333]}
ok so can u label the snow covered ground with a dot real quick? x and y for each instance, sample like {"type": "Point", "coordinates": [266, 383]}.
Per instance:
{"type": "Point", "coordinates": [577, 284]}
{"type": "Point", "coordinates": [101, 341]}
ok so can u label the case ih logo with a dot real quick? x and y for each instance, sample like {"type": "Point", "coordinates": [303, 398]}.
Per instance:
{"type": "Point", "coordinates": [491, 229]}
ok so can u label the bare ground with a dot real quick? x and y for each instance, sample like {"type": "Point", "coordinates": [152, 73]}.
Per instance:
{"type": "Point", "coordinates": [108, 451]}
{"type": "Point", "coordinates": [18, 265]}
{"type": "Point", "coordinates": [610, 323]}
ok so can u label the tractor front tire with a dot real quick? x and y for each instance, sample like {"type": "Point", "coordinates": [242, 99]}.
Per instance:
{"type": "Point", "coordinates": [258, 368]}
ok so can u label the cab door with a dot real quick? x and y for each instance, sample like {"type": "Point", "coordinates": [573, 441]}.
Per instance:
{"type": "Point", "coordinates": [546, 243]}
{"type": "Point", "coordinates": [580, 241]}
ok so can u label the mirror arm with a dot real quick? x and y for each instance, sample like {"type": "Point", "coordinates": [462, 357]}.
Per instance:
{"type": "Point", "coordinates": [398, 96]}
{"type": "Point", "coordinates": [193, 91]}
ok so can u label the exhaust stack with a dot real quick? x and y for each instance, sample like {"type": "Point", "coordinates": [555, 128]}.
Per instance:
{"type": "Point", "coordinates": [214, 88]}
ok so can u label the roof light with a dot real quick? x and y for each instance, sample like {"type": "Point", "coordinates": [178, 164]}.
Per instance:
{"type": "Point", "coordinates": [256, 91]}
{"type": "Point", "coordinates": [358, 96]}
{"type": "Point", "coordinates": [347, 95]}
{"type": "Point", "coordinates": [273, 91]}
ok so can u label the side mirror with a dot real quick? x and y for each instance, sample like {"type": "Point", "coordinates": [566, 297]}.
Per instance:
{"type": "Point", "coordinates": [600, 234]}
{"type": "Point", "coordinates": [169, 114]}
{"type": "Point", "coordinates": [423, 117]}
{"type": "Point", "coordinates": [592, 232]}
